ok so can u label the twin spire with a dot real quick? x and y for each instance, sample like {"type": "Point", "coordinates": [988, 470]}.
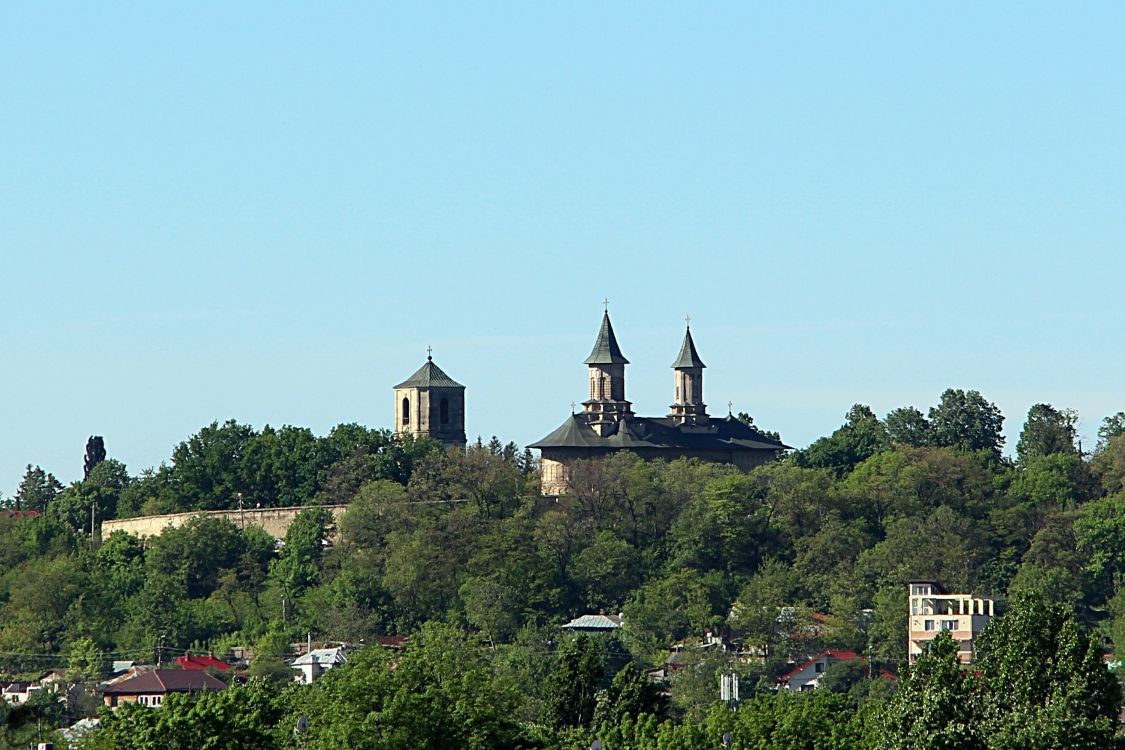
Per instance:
{"type": "Point", "coordinates": [607, 405]}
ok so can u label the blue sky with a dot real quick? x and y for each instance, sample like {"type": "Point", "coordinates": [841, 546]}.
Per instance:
{"type": "Point", "coordinates": [267, 211]}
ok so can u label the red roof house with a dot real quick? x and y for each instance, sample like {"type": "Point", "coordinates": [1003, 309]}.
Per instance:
{"type": "Point", "coordinates": [202, 663]}
{"type": "Point", "coordinates": [807, 676]}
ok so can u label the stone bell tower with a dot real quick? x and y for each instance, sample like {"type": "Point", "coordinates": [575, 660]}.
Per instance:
{"type": "Point", "coordinates": [688, 407]}
{"type": "Point", "coordinates": [431, 404]}
{"type": "Point", "coordinates": [607, 405]}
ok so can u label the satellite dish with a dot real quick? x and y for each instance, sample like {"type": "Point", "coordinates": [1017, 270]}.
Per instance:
{"type": "Point", "coordinates": [596, 745]}
{"type": "Point", "coordinates": [727, 740]}
{"type": "Point", "coordinates": [302, 725]}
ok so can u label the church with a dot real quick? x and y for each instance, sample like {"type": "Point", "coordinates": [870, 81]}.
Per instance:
{"type": "Point", "coordinates": [607, 422]}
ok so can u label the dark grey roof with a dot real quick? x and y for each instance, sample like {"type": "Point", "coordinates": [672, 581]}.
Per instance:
{"type": "Point", "coordinates": [429, 376]}
{"type": "Point", "coordinates": [689, 357]}
{"type": "Point", "coordinates": [659, 433]}
{"type": "Point", "coordinates": [606, 351]}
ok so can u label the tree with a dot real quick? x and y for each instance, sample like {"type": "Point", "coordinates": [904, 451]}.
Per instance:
{"type": "Point", "coordinates": [297, 568]}
{"type": "Point", "coordinates": [965, 420]}
{"type": "Point", "coordinates": [1111, 427]}
{"type": "Point", "coordinates": [908, 427]}
{"type": "Point", "coordinates": [37, 489]}
{"type": "Point", "coordinates": [935, 706]}
{"type": "Point", "coordinates": [439, 692]}
{"type": "Point", "coordinates": [1045, 683]}
{"type": "Point", "coordinates": [861, 437]}
{"type": "Point", "coordinates": [207, 471]}
{"type": "Point", "coordinates": [572, 687]}
{"type": "Point", "coordinates": [1047, 431]}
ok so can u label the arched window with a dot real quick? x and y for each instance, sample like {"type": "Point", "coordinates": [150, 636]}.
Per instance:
{"type": "Point", "coordinates": [444, 411]}
{"type": "Point", "coordinates": [405, 410]}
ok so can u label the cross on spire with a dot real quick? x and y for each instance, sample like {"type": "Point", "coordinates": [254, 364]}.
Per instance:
{"type": "Point", "coordinates": [730, 408]}
{"type": "Point", "coordinates": [687, 319]}
{"type": "Point", "coordinates": [572, 405]}
{"type": "Point", "coordinates": [429, 353]}
{"type": "Point", "coordinates": [606, 303]}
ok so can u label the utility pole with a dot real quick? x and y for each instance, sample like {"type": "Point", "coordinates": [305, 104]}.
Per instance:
{"type": "Point", "coordinates": [93, 508]}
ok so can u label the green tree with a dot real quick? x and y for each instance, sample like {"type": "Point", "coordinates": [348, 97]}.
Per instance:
{"type": "Point", "coordinates": [440, 692]}
{"type": "Point", "coordinates": [965, 420]}
{"type": "Point", "coordinates": [571, 690]}
{"type": "Point", "coordinates": [37, 489]}
{"type": "Point", "coordinates": [907, 426]}
{"type": "Point", "coordinates": [1047, 431]}
{"type": "Point", "coordinates": [936, 705]}
{"type": "Point", "coordinates": [861, 437]}
{"type": "Point", "coordinates": [297, 568]}
{"type": "Point", "coordinates": [1111, 427]}
{"type": "Point", "coordinates": [1045, 683]}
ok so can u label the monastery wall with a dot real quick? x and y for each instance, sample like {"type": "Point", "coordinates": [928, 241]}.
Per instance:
{"type": "Point", "coordinates": [275, 521]}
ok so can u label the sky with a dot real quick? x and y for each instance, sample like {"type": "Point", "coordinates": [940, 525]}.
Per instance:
{"type": "Point", "coordinates": [267, 211]}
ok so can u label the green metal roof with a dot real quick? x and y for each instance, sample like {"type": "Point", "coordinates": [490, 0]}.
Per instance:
{"type": "Point", "coordinates": [689, 357]}
{"type": "Point", "coordinates": [429, 376]}
{"type": "Point", "coordinates": [606, 351]}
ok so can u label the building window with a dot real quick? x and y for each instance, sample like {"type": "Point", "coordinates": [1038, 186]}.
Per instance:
{"type": "Point", "coordinates": [948, 624]}
{"type": "Point", "coordinates": [405, 410]}
{"type": "Point", "coordinates": [818, 667]}
{"type": "Point", "coordinates": [444, 408]}
{"type": "Point", "coordinates": [929, 624]}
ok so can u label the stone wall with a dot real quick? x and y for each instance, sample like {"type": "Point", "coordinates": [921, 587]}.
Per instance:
{"type": "Point", "coordinates": [275, 521]}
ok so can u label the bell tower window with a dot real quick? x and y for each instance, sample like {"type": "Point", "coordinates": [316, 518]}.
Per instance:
{"type": "Point", "coordinates": [405, 410]}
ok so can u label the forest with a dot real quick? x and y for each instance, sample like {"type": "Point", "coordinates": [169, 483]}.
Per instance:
{"type": "Point", "coordinates": [458, 551]}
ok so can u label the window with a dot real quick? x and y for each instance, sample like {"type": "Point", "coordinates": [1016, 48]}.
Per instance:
{"type": "Point", "coordinates": [818, 667]}
{"type": "Point", "coordinates": [405, 410]}
{"type": "Point", "coordinates": [929, 624]}
{"type": "Point", "coordinates": [948, 624]}
{"type": "Point", "coordinates": [444, 408]}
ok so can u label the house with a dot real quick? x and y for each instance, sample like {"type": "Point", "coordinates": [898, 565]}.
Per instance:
{"type": "Point", "coordinates": [151, 687]}
{"type": "Point", "coordinates": [204, 663]}
{"type": "Point", "coordinates": [933, 610]}
{"type": "Point", "coordinates": [18, 693]}
{"type": "Point", "coordinates": [807, 676]}
{"type": "Point", "coordinates": [394, 642]}
{"type": "Point", "coordinates": [599, 623]}
{"type": "Point", "coordinates": [19, 515]}
{"type": "Point", "coordinates": [316, 662]}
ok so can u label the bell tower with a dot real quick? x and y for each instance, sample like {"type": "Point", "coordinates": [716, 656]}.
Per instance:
{"type": "Point", "coordinates": [431, 404]}
{"type": "Point", "coordinates": [688, 407]}
{"type": "Point", "coordinates": [606, 405]}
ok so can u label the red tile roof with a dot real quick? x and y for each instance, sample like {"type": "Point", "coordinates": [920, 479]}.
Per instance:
{"type": "Point", "coordinates": [19, 514]}
{"type": "Point", "coordinates": [202, 662]}
{"type": "Point", "coordinates": [160, 681]}
{"type": "Point", "coordinates": [836, 655]}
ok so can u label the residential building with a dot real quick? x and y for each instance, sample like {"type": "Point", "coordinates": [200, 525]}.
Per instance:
{"type": "Point", "coordinates": [316, 662]}
{"type": "Point", "coordinates": [934, 610]}
{"type": "Point", "coordinates": [599, 623]}
{"type": "Point", "coordinates": [20, 692]}
{"type": "Point", "coordinates": [607, 423]}
{"type": "Point", "coordinates": [151, 687]}
{"type": "Point", "coordinates": [202, 663]}
{"type": "Point", "coordinates": [807, 676]}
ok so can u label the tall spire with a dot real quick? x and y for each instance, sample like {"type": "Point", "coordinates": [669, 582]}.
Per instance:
{"type": "Point", "coordinates": [688, 408]}
{"type": "Point", "coordinates": [689, 357]}
{"type": "Point", "coordinates": [606, 351]}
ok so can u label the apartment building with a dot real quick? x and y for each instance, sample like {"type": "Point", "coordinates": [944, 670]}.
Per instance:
{"type": "Point", "coordinates": [933, 609]}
